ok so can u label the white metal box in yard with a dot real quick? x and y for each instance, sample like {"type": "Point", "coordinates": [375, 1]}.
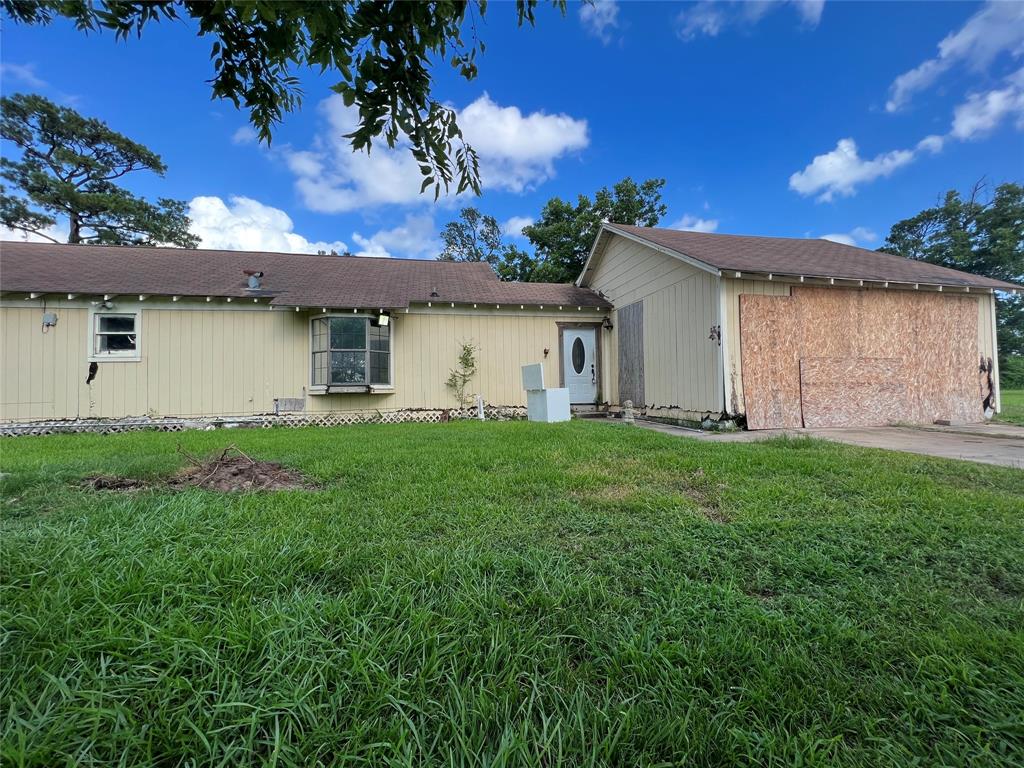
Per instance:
{"type": "Point", "coordinates": [548, 405]}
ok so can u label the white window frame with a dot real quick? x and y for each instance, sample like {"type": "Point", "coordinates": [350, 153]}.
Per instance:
{"type": "Point", "coordinates": [333, 389]}
{"type": "Point", "coordinates": [127, 356]}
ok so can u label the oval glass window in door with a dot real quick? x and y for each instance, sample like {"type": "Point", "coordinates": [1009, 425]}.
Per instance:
{"type": "Point", "coordinates": [578, 355]}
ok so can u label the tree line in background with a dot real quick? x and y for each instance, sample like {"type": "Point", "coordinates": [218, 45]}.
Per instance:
{"type": "Point", "coordinates": [561, 236]}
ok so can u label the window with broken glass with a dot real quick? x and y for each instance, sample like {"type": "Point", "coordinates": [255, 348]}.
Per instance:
{"type": "Point", "coordinates": [115, 335]}
{"type": "Point", "coordinates": [351, 351]}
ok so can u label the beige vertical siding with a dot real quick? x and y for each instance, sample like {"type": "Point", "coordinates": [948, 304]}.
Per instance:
{"type": "Point", "coordinates": [212, 361]}
{"type": "Point", "coordinates": [986, 337]}
{"type": "Point", "coordinates": [733, 288]}
{"type": "Point", "coordinates": [682, 369]}
{"type": "Point", "coordinates": [427, 343]}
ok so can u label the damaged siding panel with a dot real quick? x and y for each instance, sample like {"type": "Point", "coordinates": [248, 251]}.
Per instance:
{"type": "Point", "coordinates": [987, 349]}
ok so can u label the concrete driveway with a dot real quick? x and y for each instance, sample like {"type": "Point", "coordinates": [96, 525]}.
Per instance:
{"type": "Point", "coordinates": [992, 443]}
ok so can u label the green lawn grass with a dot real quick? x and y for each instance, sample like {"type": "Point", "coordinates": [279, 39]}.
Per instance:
{"type": "Point", "coordinates": [1012, 401]}
{"type": "Point", "coordinates": [512, 594]}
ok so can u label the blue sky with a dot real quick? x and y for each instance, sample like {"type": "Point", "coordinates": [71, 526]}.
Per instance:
{"type": "Point", "coordinates": [790, 119]}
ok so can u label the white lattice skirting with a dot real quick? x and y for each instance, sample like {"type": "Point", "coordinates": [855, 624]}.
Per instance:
{"type": "Point", "coordinates": [327, 419]}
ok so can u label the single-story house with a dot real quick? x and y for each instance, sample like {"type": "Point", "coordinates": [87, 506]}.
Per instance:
{"type": "Point", "coordinates": [783, 332]}
{"type": "Point", "coordinates": [792, 332]}
{"type": "Point", "coordinates": [105, 331]}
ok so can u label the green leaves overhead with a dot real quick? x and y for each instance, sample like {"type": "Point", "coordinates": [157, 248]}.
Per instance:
{"type": "Point", "coordinates": [69, 170]}
{"type": "Point", "coordinates": [383, 53]}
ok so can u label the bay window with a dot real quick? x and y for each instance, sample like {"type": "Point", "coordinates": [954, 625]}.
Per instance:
{"type": "Point", "coordinates": [351, 352]}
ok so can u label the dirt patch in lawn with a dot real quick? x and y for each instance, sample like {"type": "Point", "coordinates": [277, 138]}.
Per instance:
{"type": "Point", "coordinates": [611, 493]}
{"type": "Point", "coordinates": [705, 493]}
{"type": "Point", "coordinates": [228, 472]}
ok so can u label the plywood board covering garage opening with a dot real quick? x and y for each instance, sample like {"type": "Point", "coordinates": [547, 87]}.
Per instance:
{"type": "Point", "coordinates": [771, 365]}
{"type": "Point", "coordinates": [851, 391]}
{"type": "Point", "coordinates": [827, 357]}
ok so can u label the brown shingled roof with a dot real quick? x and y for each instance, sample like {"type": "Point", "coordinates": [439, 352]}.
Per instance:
{"type": "Point", "coordinates": [289, 279]}
{"type": "Point", "coordinates": [811, 258]}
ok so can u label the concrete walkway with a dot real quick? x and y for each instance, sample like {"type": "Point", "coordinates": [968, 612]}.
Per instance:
{"type": "Point", "coordinates": [992, 443]}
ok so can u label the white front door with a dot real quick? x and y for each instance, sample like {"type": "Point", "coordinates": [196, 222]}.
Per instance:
{"type": "Point", "coordinates": [579, 363]}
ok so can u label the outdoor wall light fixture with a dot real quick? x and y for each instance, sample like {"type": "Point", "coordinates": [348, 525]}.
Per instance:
{"type": "Point", "coordinates": [607, 323]}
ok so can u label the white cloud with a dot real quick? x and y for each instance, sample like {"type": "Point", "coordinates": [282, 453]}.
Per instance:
{"type": "Point", "coordinates": [600, 18]}
{"type": "Point", "coordinates": [58, 232]}
{"type": "Point", "coordinates": [995, 29]}
{"type": "Point", "coordinates": [244, 224]}
{"type": "Point", "coordinates": [702, 19]}
{"type": "Point", "coordinates": [23, 73]}
{"type": "Point", "coordinates": [856, 236]}
{"type": "Point", "coordinates": [840, 171]}
{"type": "Point", "coordinates": [709, 18]}
{"type": "Point", "coordinates": [982, 112]}
{"type": "Point", "coordinates": [810, 11]}
{"type": "Point", "coordinates": [690, 223]}
{"type": "Point", "coordinates": [244, 135]}
{"type": "Point", "coordinates": [513, 227]}
{"type": "Point", "coordinates": [933, 144]}
{"type": "Point", "coordinates": [415, 238]}
{"type": "Point", "coordinates": [517, 151]}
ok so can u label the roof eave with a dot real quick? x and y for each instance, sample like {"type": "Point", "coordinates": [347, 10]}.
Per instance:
{"type": "Point", "coordinates": [993, 286]}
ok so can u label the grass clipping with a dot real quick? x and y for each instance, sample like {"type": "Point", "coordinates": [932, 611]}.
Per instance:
{"type": "Point", "coordinates": [231, 471]}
